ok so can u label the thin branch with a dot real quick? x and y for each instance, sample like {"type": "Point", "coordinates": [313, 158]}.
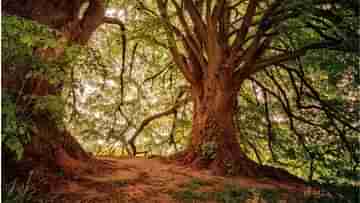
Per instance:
{"type": "Point", "coordinates": [172, 133]}
{"type": "Point", "coordinates": [269, 125]}
{"type": "Point", "coordinates": [274, 60]}
{"type": "Point", "coordinates": [243, 31]}
{"type": "Point", "coordinates": [116, 21]}
{"type": "Point", "coordinates": [132, 59]}
{"type": "Point", "coordinates": [156, 74]}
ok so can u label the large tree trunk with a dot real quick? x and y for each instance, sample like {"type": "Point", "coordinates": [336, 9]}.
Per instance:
{"type": "Point", "coordinates": [214, 141]}
{"type": "Point", "coordinates": [50, 147]}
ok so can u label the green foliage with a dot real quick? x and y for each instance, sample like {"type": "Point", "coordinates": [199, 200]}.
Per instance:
{"type": "Point", "coordinates": [99, 113]}
{"type": "Point", "coordinates": [19, 39]}
{"type": "Point", "coordinates": [149, 89]}
{"type": "Point", "coordinates": [23, 41]}
{"type": "Point", "coordinates": [331, 193]}
{"type": "Point", "coordinates": [321, 155]}
{"type": "Point", "coordinates": [334, 64]}
{"type": "Point", "coordinates": [15, 131]}
{"type": "Point", "coordinates": [53, 104]}
{"type": "Point", "coordinates": [8, 114]}
{"type": "Point", "coordinates": [233, 193]}
{"type": "Point", "coordinates": [229, 194]}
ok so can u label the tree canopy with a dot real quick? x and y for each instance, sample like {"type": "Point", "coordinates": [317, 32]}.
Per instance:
{"type": "Point", "coordinates": [301, 112]}
{"type": "Point", "coordinates": [290, 68]}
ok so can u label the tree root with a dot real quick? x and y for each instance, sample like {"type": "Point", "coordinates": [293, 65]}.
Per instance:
{"type": "Point", "coordinates": [235, 166]}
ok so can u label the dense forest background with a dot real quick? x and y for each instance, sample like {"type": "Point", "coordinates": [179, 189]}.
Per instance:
{"type": "Point", "coordinates": [132, 88]}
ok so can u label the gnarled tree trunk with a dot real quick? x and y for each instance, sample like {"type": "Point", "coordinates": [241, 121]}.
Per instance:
{"type": "Point", "coordinates": [214, 141]}
{"type": "Point", "coordinates": [50, 146]}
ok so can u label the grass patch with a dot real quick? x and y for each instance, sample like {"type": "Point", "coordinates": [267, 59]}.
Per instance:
{"type": "Point", "coordinates": [196, 183]}
{"type": "Point", "coordinates": [189, 193]}
{"type": "Point", "coordinates": [190, 196]}
{"type": "Point", "coordinates": [229, 194]}
{"type": "Point", "coordinates": [232, 194]}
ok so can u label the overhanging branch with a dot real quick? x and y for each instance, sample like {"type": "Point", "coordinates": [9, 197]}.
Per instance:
{"type": "Point", "coordinates": [293, 54]}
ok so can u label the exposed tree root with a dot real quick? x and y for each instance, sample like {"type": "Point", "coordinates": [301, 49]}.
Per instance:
{"type": "Point", "coordinates": [238, 165]}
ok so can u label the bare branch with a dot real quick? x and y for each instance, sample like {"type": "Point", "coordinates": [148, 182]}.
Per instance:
{"type": "Point", "coordinates": [116, 21]}
{"type": "Point", "coordinates": [179, 59]}
{"type": "Point", "coordinates": [195, 16]}
{"type": "Point", "coordinates": [132, 59]}
{"type": "Point", "coordinates": [149, 119]}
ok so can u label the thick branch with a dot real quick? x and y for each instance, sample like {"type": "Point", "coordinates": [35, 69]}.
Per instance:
{"type": "Point", "coordinates": [195, 16]}
{"type": "Point", "coordinates": [149, 119]}
{"type": "Point", "coordinates": [178, 58]}
{"type": "Point", "coordinates": [92, 19]}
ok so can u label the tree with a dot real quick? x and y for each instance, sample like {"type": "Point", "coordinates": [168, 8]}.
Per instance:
{"type": "Point", "coordinates": [63, 15]}
{"type": "Point", "coordinates": [218, 45]}
{"type": "Point", "coordinates": [35, 60]}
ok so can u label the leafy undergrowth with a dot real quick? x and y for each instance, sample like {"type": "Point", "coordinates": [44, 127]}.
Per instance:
{"type": "Point", "coordinates": [235, 194]}
{"type": "Point", "coordinates": [155, 180]}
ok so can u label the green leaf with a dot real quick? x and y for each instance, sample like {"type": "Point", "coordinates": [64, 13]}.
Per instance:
{"type": "Point", "coordinates": [14, 144]}
{"type": "Point", "coordinates": [27, 39]}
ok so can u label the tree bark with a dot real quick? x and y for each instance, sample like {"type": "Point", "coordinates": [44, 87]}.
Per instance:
{"type": "Point", "coordinates": [63, 15]}
{"type": "Point", "coordinates": [215, 142]}
{"type": "Point", "coordinates": [47, 139]}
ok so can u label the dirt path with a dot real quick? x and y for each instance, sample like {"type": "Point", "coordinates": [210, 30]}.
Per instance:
{"type": "Point", "coordinates": [152, 180]}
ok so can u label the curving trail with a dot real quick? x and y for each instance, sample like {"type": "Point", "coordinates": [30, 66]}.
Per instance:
{"type": "Point", "coordinates": [149, 180]}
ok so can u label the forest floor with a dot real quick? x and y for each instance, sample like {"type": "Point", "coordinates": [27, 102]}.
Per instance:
{"type": "Point", "coordinates": [156, 180]}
